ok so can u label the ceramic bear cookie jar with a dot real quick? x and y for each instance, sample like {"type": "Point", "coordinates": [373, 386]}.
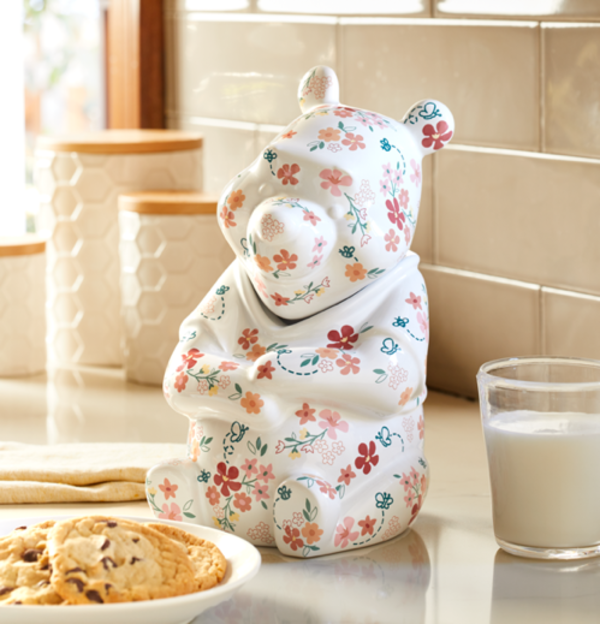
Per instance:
{"type": "Point", "coordinates": [303, 371]}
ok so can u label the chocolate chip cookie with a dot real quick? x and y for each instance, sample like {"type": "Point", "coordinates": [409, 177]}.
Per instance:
{"type": "Point", "coordinates": [25, 567]}
{"type": "Point", "coordinates": [209, 563]}
{"type": "Point", "coordinates": [97, 559]}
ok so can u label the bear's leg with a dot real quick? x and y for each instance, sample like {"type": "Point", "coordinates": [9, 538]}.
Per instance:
{"type": "Point", "coordinates": [174, 491]}
{"type": "Point", "coordinates": [305, 511]}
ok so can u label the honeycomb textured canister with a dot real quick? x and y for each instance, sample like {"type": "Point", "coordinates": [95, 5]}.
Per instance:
{"type": "Point", "coordinates": [22, 306]}
{"type": "Point", "coordinates": [172, 252]}
{"type": "Point", "coordinates": [79, 180]}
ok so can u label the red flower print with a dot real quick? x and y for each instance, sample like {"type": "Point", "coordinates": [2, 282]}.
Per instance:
{"type": "Point", "coordinates": [285, 260]}
{"type": "Point", "coordinates": [312, 532]}
{"type": "Point", "coordinates": [286, 174]}
{"type": "Point", "coordinates": [348, 364]}
{"type": "Point", "coordinates": [367, 525]}
{"type": "Point", "coordinates": [346, 475]}
{"type": "Point", "coordinates": [180, 382]}
{"type": "Point", "coordinates": [355, 142]}
{"type": "Point", "coordinates": [306, 414]}
{"type": "Point", "coordinates": [394, 214]}
{"type": "Point", "coordinates": [172, 513]}
{"type": "Point", "coordinates": [312, 217]}
{"type": "Point", "coordinates": [168, 489]}
{"type": "Point", "coordinates": [242, 501]}
{"type": "Point", "coordinates": [265, 473]}
{"type": "Point", "coordinates": [344, 533]}
{"type": "Point", "coordinates": [249, 467]}
{"type": "Point", "coordinates": [416, 508]}
{"type": "Point", "coordinates": [403, 198]}
{"type": "Point", "coordinates": [226, 478]}
{"type": "Point", "coordinates": [248, 337]}
{"type": "Point", "coordinates": [367, 457]}
{"type": "Point", "coordinates": [228, 366]}
{"type": "Point", "coordinates": [189, 359]}
{"type": "Point", "coordinates": [332, 421]}
{"type": "Point", "coordinates": [344, 111]}
{"type": "Point", "coordinates": [289, 134]}
{"type": "Point", "coordinates": [265, 370]}
{"type": "Point", "coordinates": [280, 299]}
{"type": "Point", "coordinates": [391, 239]}
{"type": "Point", "coordinates": [228, 217]}
{"type": "Point", "coordinates": [343, 339]}
{"type": "Point", "coordinates": [252, 403]}
{"type": "Point", "coordinates": [414, 301]}
{"type": "Point", "coordinates": [333, 180]}
{"type": "Point", "coordinates": [423, 324]}
{"type": "Point", "coordinates": [213, 495]}
{"type": "Point", "coordinates": [292, 537]}
{"type": "Point", "coordinates": [436, 136]}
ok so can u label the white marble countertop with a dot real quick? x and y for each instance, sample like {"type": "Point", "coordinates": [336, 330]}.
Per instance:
{"type": "Point", "coordinates": [446, 570]}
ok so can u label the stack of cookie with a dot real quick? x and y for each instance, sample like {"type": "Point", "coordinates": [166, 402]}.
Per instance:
{"type": "Point", "coordinates": [98, 559]}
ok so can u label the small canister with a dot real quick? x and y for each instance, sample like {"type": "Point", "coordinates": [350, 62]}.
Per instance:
{"type": "Point", "coordinates": [22, 306]}
{"type": "Point", "coordinates": [79, 179]}
{"type": "Point", "coordinates": [172, 252]}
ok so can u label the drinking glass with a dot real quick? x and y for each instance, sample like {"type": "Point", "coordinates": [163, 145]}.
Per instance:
{"type": "Point", "coordinates": [541, 423]}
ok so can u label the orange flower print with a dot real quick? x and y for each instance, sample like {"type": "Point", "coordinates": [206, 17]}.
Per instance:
{"type": "Point", "coordinates": [355, 271]}
{"type": "Point", "coordinates": [236, 199]}
{"type": "Point", "coordinates": [228, 217]}
{"type": "Point", "coordinates": [311, 532]}
{"type": "Point", "coordinates": [329, 134]}
{"type": "Point", "coordinates": [248, 337]}
{"type": "Point", "coordinates": [265, 371]}
{"type": "Point", "coordinates": [280, 299]}
{"type": "Point", "coordinates": [195, 450]}
{"type": "Point", "coordinates": [263, 263]}
{"type": "Point", "coordinates": [348, 364]}
{"type": "Point", "coordinates": [180, 382]}
{"type": "Point", "coordinates": [256, 352]}
{"type": "Point", "coordinates": [252, 403]}
{"type": "Point", "coordinates": [354, 141]}
{"type": "Point", "coordinates": [213, 495]}
{"type": "Point", "coordinates": [285, 260]}
{"type": "Point", "coordinates": [286, 174]}
{"type": "Point", "coordinates": [289, 134]}
{"type": "Point", "coordinates": [327, 353]}
{"type": "Point", "coordinates": [242, 501]}
{"type": "Point", "coordinates": [421, 427]}
{"type": "Point", "coordinates": [168, 489]}
{"type": "Point", "coordinates": [367, 525]}
{"type": "Point", "coordinates": [306, 414]}
{"type": "Point", "coordinates": [405, 396]}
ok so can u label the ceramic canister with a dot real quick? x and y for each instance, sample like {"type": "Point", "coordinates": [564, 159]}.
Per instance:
{"type": "Point", "coordinates": [172, 252]}
{"type": "Point", "coordinates": [22, 312]}
{"type": "Point", "coordinates": [79, 180]}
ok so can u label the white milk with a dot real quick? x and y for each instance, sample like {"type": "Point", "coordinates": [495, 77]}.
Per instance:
{"type": "Point", "coordinates": [545, 477]}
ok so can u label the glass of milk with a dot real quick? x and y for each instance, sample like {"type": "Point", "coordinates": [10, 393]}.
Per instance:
{"type": "Point", "coordinates": [541, 423]}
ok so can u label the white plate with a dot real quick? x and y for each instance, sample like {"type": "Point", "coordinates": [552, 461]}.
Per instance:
{"type": "Point", "coordinates": [243, 562]}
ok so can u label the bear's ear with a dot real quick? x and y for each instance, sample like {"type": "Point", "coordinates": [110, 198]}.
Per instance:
{"type": "Point", "coordinates": [318, 86]}
{"type": "Point", "coordinates": [431, 124]}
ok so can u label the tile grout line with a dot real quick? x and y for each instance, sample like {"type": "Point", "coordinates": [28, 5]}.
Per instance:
{"type": "Point", "coordinates": [542, 85]}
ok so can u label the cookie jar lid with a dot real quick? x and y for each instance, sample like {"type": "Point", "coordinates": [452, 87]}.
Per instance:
{"type": "Point", "coordinates": [169, 202]}
{"type": "Point", "coordinates": [25, 245]}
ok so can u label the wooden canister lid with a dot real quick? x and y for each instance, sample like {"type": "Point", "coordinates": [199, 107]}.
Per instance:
{"type": "Point", "coordinates": [122, 142]}
{"type": "Point", "coordinates": [22, 245]}
{"type": "Point", "coordinates": [169, 202]}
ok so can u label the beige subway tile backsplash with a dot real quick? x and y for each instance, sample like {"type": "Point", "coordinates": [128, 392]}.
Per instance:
{"type": "Point", "coordinates": [487, 73]}
{"type": "Point", "coordinates": [247, 67]}
{"type": "Point", "coordinates": [519, 9]}
{"type": "Point", "coordinates": [529, 217]}
{"type": "Point", "coordinates": [474, 319]}
{"type": "Point", "coordinates": [571, 91]}
{"type": "Point", "coordinates": [571, 323]}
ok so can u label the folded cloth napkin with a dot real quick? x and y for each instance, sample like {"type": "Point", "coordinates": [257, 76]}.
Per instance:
{"type": "Point", "coordinates": [63, 473]}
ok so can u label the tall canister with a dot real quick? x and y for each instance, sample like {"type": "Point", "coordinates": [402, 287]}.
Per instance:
{"type": "Point", "coordinates": [79, 179]}
{"type": "Point", "coordinates": [172, 252]}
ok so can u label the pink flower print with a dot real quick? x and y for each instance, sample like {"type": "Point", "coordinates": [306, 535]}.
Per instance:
{"type": "Point", "coordinates": [260, 491]}
{"type": "Point", "coordinates": [270, 227]}
{"type": "Point", "coordinates": [249, 467]}
{"type": "Point", "coordinates": [405, 481]}
{"type": "Point", "coordinates": [388, 171]}
{"type": "Point", "coordinates": [325, 366]}
{"type": "Point", "coordinates": [392, 240]}
{"type": "Point", "coordinates": [297, 519]}
{"type": "Point", "coordinates": [353, 141]}
{"type": "Point", "coordinates": [348, 364]}
{"type": "Point", "coordinates": [286, 174]}
{"type": "Point", "coordinates": [260, 285]}
{"type": "Point", "coordinates": [333, 179]}
{"type": "Point", "coordinates": [202, 386]}
{"type": "Point", "coordinates": [423, 324]}
{"type": "Point", "coordinates": [228, 366]}
{"type": "Point", "coordinates": [321, 446]}
{"type": "Point", "coordinates": [312, 217]}
{"type": "Point", "coordinates": [329, 458]}
{"type": "Point", "coordinates": [394, 214]}
{"type": "Point", "coordinates": [415, 177]}
{"type": "Point", "coordinates": [309, 298]}
{"type": "Point", "coordinates": [315, 262]}
{"type": "Point", "coordinates": [344, 111]}
{"type": "Point", "coordinates": [344, 533]}
{"type": "Point", "coordinates": [319, 243]}
{"type": "Point", "coordinates": [280, 447]}
{"type": "Point", "coordinates": [414, 475]}
{"type": "Point", "coordinates": [332, 421]}
{"type": "Point", "coordinates": [168, 489]}
{"type": "Point", "coordinates": [365, 196]}
{"type": "Point", "coordinates": [436, 136]}
{"type": "Point", "coordinates": [338, 447]}
{"type": "Point", "coordinates": [346, 475]}
{"type": "Point", "coordinates": [385, 186]}
{"type": "Point", "coordinates": [224, 381]}
{"type": "Point", "coordinates": [407, 234]}
{"type": "Point", "coordinates": [265, 473]}
{"type": "Point", "coordinates": [327, 489]}
{"type": "Point", "coordinates": [326, 283]}
{"type": "Point", "coordinates": [404, 198]}
{"type": "Point", "coordinates": [171, 513]}
{"type": "Point", "coordinates": [365, 240]}
{"type": "Point", "coordinates": [334, 147]}
{"type": "Point", "coordinates": [421, 427]}
{"type": "Point", "coordinates": [414, 301]}
{"type": "Point", "coordinates": [409, 498]}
